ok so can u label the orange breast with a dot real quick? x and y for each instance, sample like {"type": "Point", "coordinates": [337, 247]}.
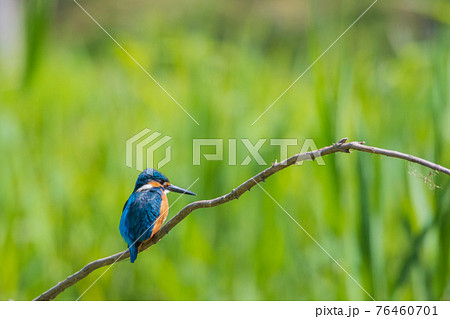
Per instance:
{"type": "Point", "coordinates": [163, 215]}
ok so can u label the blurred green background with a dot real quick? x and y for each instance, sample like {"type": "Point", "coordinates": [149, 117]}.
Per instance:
{"type": "Point", "coordinates": [70, 99]}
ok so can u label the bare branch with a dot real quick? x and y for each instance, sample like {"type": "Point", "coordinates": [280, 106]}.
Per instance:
{"type": "Point", "coordinates": [340, 146]}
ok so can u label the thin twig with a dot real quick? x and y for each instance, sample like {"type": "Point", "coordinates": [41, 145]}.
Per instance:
{"type": "Point", "coordinates": [340, 146]}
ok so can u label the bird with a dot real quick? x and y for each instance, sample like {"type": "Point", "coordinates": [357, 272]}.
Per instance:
{"type": "Point", "coordinates": [146, 209]}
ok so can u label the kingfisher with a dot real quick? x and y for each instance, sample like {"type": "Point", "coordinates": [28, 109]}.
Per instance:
{"type": "Point", "coordinates": [146, 209]}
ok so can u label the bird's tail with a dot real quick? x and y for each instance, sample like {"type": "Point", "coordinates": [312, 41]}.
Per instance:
{"type": "Point", "coordinates": [133, 253]}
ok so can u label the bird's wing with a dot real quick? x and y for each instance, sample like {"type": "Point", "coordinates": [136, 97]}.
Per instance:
{"type": "Point", "coordinates": [141, 211]}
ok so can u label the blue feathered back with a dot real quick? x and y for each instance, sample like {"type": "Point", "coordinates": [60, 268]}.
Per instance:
{"type": "Point", "coordinates": [138, 217]}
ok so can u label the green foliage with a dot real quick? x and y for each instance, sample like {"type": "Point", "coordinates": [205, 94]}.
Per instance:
{"type": "Point", "coordinates": [62, 151]}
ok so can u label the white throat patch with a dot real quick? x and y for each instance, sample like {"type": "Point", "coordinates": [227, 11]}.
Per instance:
{"type": "Point", "coordinates": [143, 188]}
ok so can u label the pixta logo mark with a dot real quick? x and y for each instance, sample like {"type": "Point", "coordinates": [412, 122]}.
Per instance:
{"type": "Point", "coordinates": [143, 146]}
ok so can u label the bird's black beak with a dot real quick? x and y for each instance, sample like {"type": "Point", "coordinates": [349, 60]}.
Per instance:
{"type": "Point", "coordinates": [177, 189]}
